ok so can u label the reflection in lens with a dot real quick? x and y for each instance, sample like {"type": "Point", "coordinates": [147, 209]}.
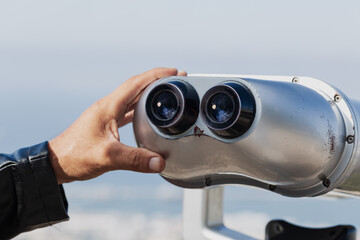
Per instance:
{"type": "Point", "coordinates": [221, 107]}
{"type": "Point", "coordinates": [165, 105]}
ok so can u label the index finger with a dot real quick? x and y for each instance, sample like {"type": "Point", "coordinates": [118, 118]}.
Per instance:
{"type": "Point", "coordinates": [132, 87]}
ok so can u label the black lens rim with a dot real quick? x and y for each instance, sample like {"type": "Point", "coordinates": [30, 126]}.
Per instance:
{"type": "Point", "coordinates": [188, 103]}
{"type": "Point", "coordinates": [244, 110]}
{"type": "Point", "coordinates": [150, 101]}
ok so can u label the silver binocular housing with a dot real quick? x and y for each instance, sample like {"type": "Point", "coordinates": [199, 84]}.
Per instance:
{"type": "Point", "coordinates": [296, 136]}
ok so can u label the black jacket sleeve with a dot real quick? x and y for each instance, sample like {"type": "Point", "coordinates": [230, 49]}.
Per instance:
{"type": "Point", "coordinates": [30, 196]}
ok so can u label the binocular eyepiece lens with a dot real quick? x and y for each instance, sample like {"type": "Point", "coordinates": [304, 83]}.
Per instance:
{"type": "Point", "coordinates": [173, 107]}
{"type": "Point", "coordinates": [221, 107]}
{"type": "Point", "coordinates": [165, 105]}
{"type": "Point", "coordinates": [228, 109]}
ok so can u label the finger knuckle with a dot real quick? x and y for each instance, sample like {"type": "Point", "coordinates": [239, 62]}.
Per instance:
{"type": "Point", "coordinates": [135, 163]}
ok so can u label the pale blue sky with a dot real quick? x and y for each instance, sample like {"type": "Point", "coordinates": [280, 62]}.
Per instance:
{"type": "Point", "coordinates": [63, 55]}
{"type": "Point", "coordinates": [58, 57]}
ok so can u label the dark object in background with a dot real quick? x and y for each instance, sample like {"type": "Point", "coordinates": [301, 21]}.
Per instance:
{"type": "Point", "coordinates": [282, 230]}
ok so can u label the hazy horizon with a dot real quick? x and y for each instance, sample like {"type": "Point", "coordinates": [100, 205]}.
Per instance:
{"type": "Point", "coordinates": [59, 57]}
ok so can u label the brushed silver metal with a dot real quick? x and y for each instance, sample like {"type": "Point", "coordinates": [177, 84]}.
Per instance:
{"type": "Point", "coordinates": [296, 142]}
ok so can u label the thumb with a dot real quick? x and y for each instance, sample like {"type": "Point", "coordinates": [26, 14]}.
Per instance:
{"type": "Point", "coordinates": [139, 160]}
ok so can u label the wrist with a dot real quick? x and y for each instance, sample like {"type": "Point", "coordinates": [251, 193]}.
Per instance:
{"type": "Point", "coordinates": [55, 163]}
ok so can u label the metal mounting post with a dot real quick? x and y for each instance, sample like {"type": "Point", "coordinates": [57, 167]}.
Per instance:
{"type": "Point", "coordinates": [203, 216]}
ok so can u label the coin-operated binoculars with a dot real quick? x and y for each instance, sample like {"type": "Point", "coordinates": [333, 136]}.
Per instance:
{"type": "Point", "coordinates": [295, 136]}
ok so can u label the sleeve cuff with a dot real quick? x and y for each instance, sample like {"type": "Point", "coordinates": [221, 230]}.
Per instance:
{"type": "Point", "coordinates": [41, 201]}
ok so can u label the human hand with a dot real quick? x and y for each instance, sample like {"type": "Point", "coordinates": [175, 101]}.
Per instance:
{"type": "Point", "coordinates": [91, 145]}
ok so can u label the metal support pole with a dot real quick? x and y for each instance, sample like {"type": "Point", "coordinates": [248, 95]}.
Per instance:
{"type": "Point", "coordinates": [203, 216]}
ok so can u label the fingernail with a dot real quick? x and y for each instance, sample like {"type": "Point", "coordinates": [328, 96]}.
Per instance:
{"type": "Point", "coordinates": [181, 72]}
{"type": "Point", "coordinates": [155, 164]}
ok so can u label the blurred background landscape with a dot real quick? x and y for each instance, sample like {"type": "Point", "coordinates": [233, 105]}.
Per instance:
{"type": "Point", "coordinates": [59, 57]}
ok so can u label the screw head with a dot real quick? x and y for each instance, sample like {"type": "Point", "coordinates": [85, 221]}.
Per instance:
{"type": "Point", "coordinates": [295, 80]}
{"type": "Point", "coordinates": [326, 183]}
{"type": "Point", "coordinates": [350, 139]}
{"type": "Point", "coordinates": [272, 187]}
{"type": "Point", "coordinates": [337, 98]}
{"type": "Point", "coordinates": [208, 181]}
{"type": "Point", "coordinates": [279, 228]}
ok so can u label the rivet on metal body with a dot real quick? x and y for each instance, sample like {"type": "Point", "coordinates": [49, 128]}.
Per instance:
{"type": "Point", "coordinates": [326, 183]}
{"type": "Point", "coordinates": [279, 228]}
{"type": "Point", "coordinates": [272, 187]}
{"type": "Point", "coordinates": [208, 181]}
{"type": "Point", "coordinates": [350, 139]}
{"type": "Point", "coordinates": [295, 80]}
{"type": "Point", "coordinates": [337, 98]}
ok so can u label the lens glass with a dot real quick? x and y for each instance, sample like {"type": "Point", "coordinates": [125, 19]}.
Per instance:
{"type": "Point", "coordinates": [165, 105]}
{"type": "Point", "coordinates": [220, 107]}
